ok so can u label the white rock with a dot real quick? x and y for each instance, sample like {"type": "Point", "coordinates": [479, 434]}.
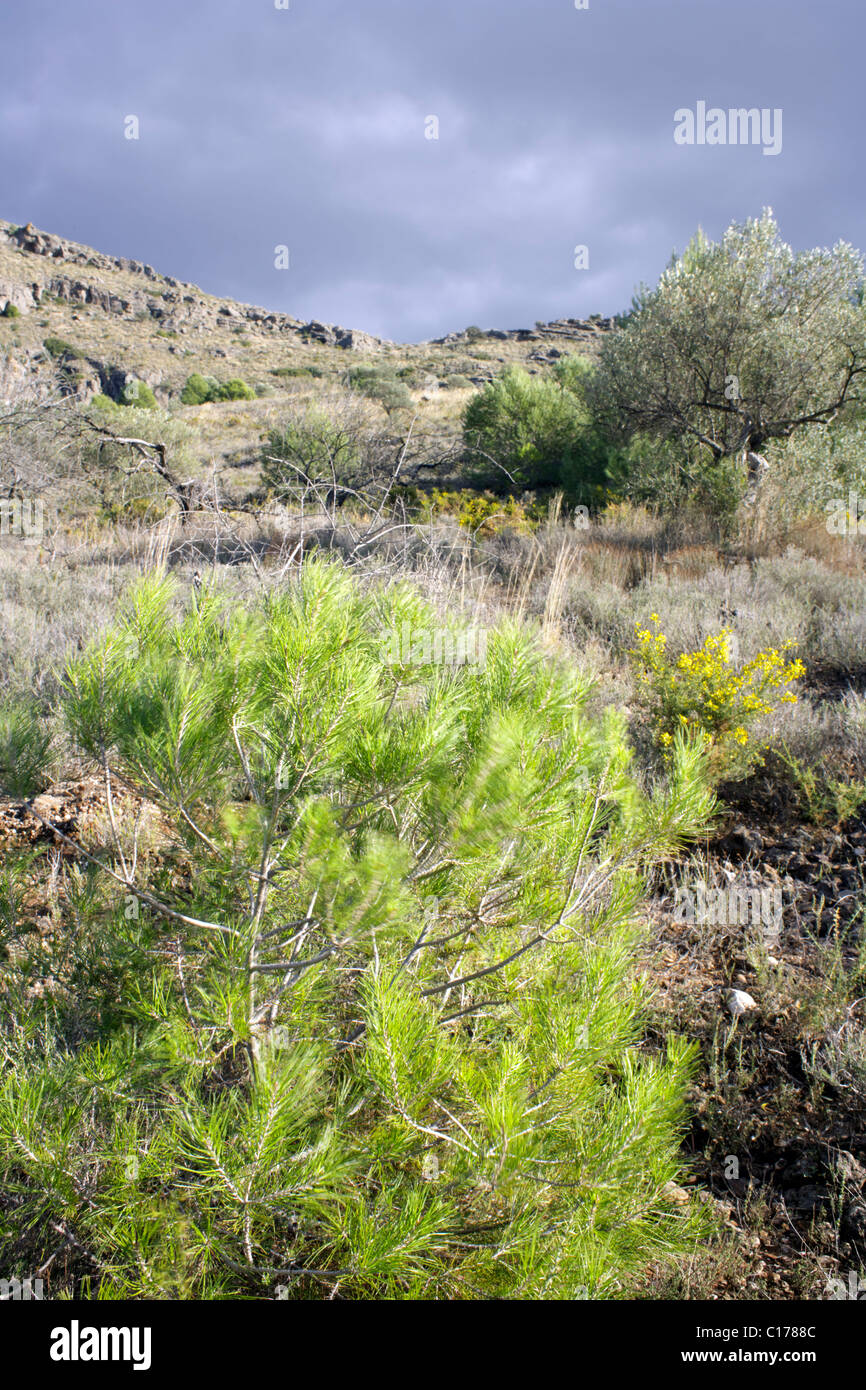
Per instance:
{"type": "Point", "coordinates": [739, 1002]}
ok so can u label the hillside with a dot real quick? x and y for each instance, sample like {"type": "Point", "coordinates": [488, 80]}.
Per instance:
{"type": "Point", "coordinates": [109, 321]}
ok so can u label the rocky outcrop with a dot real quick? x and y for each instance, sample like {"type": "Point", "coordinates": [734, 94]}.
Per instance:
{"type": "Point", "coordinates": [21, 297]}
{"type": "Point", "coordinates": [37, 243]}
{"type": "Point", "coordinates": [176, 306]}
{"type": "Point", "coordinates": [578, 330]}
{"type": "Point", "coordinates": [331, 335]}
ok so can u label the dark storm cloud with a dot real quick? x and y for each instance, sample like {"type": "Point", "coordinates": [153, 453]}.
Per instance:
{"type": "Point", "coordinates": [306, 127]}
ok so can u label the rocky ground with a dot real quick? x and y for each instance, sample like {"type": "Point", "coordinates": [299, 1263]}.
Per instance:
{"type": "Point", "coordinates": [777, 1134]}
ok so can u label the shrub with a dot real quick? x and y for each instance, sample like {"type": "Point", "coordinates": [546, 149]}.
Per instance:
{"type": "Point", "coordinates": [201, 390]}
{"type": "Point", "coordinates": [138, 393]}
{"type": "Point", "coordinates": [539, 429]}
{"type": "Point", "coordinates": [474, 333]}
{"type": "Point", "coordinates": [391, 395]}
{"type": "Point", "coordinates": [59, 348]}
{"type": "Point", "coordinates": [821, 798]}
{"type": "Point", "coordinates": [321, 443]}
{"type": "Point", "coordinates": [674, 478]}
{"type": "Point", "coordinates": [198, 389]}
{"type": "Point", "coordinates": [124, 493]}
{"type": "Point", "coordinates": [373, 1024]}
{"type": "Point", "coordinates": [11, 311]}
{"type": "Point", "coordinates": [704, 692]}
{"type": "Point", "coordinates": [485, 515]}
{"type": "Point", "coordinates": [382, 385]}
{"type": "Point", "coordinates": [290, 372]}
{"type": "Point", "coordinates": [236, 390]}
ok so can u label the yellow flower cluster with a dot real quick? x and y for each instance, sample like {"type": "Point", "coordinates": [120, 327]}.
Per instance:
{"type": "Point", "coordinates": [704, 691]}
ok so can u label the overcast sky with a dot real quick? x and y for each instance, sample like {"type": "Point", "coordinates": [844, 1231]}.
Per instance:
{"type": "Point", "coordinates": [307, 127]}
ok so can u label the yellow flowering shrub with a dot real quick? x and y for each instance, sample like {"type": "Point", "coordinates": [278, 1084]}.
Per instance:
{"type": "Point", "coordinates": [706, 692]}
{"type": "Point", "coordinates": [484, 514]}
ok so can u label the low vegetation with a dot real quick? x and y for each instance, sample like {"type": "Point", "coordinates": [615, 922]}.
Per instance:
{"type": "Point", "coordinates": [354, 779]}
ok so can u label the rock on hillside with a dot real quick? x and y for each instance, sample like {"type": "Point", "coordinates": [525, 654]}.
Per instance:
{"type": "Point", "coordinates": [47, 271]}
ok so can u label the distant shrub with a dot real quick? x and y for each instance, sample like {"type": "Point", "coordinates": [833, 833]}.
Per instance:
{"type": "Point", "coordinates": [123, 495]}
{"type": "Point", "coordinates": [201, 390]}
{"type": "Point", "coordinates": [315, 445]}
{"type": "Point", "coordinates": [148, 507]}
{"type": "Point", "coordinates": [392, 395]}
{"type": "Point", "coordinates": [197, 391]}
{"type": "Point", "coordinates": [484, 516]}
{"type": "Point", "coordinates": [474, 333]}
{"type": "Point", "coordinates": [236, 390]}
{"type": "Point", "coordinates": [481, 513]}
{"type": "Point", "coordinates": [456, 381]}
{"type": "Point", "coordinates": [59, 348]}
{"type": "Point", "coordinates": [11, 311]}
{"type": "Point", "coordinates": [138, 393]}
{"type": "Point", "coordinates": [381, 384]}
{"type": "Point", "coordinates": [672, 475]}
{"type": "Point", "coordinates": [297, 371]}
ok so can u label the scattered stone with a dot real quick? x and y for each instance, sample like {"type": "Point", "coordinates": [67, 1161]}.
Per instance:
{"type": "Point", "coordinates": [739, 1002]}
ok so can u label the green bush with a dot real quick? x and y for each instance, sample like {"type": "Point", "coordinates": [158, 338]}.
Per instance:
{"type": "Point", "coordinates": [59, 348]}
{"type": "Point", "coordinates": [122, 493]}
{"type": "Point", "coordinates": [373, 1021]}
{"type": "Point", "coordinates": [236, 390]}
{"type": "Point", "coordinates": [200, 390]}
{"type": "Point", "coordinates": [197, 391]}
{"type": "Point", "coordinates": [673, 476]}
{"type": "Point", "coordinates": [539, 429]}
{"type": "Point", "coordinates": [138, 393]}
{"type": "Point", "coordinates": [11, 311]}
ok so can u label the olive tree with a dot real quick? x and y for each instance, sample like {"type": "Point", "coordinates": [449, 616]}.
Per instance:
{"type": "Point", "coordinates": [741, 342]}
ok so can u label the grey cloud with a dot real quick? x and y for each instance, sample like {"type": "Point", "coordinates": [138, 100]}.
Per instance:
{"type": "Point", "coordinates": [306, 127]}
